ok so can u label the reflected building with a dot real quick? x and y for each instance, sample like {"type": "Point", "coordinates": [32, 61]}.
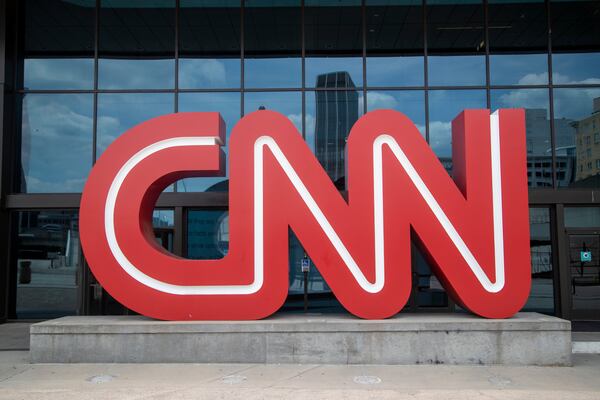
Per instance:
{"type": "Point", "coordinates": [207, 234]}
{"type": "Point", "coordinates": [336, 113]}
{"type": "Point", "coordinates": [539, 150]}
{"type": "Point", "coordinates": [587, 143]}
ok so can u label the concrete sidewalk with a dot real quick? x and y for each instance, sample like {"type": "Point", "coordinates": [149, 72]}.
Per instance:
{"type": "Point", "coordinates": [21, 380]}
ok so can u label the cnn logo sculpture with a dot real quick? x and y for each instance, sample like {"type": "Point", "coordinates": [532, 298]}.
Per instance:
{"type": "Point", "coordinates": [474, 228]}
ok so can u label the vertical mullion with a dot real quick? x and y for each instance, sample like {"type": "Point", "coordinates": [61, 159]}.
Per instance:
{"type": "Point", "coordinates": [176, 101]}
{"type": "Point", "coordinates": [242, 57]}
{"type": "Point", "coordinates": [425, 69]}
{"type": "Point", "coordinates": [564, 286]}
{"type": "Point", "coordinates": [303, 69]}
{"type": "Point", "coordinates": [178, 235]}
{"type": "Point", "coordinates": [551, 95]}
{"type": "Point", "coordinates": [176, 92]}
{"type": "Point", "coordinates": [364, 53]}
{"type": "Point", "coordinates": [95, 102]}
{"type": "Point", "coordinates": [486, 38]}
{"type": "Point", "coordinates": [556, 263]}
{"type": "Point", "coordinates": [4, 214]}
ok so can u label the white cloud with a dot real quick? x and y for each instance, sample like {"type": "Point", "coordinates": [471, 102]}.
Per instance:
{"type": "Point", "coordinates": [202, 72]}
{"type": "Point", "coordinates": [440, 138]}
{"type": "Point", "coordinates": [557, 78]}
{"type": "Point", "coordinates": [378, 100]}
{"type": "Point", "coordinates": [296, 120]}
{"type": "Point", "coordinates": [125, 73]}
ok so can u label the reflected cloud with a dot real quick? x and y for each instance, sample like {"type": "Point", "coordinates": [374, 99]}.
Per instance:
{"type": "Point", "coordinates": [209, 73]}
{"type": "Point", "coordinates": [58, 73]}
{"type": "Point", "coordinates": [378, 100]}
{"type": "Point", "coordinates": [136, 73]}
{"type": "Point", "coordinates": [56, 151]}
{"type": "Point", "coordinates": [296, 120]}
{"type": "Point", "coordinates": [440, 134]}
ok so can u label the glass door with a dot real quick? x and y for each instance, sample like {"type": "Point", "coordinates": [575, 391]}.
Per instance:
{"type": "Point", "coordinates": [584, 275]}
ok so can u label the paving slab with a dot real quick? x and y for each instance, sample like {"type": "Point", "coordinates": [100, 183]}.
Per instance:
{"type": "Point", "coordinates": [23, 380]}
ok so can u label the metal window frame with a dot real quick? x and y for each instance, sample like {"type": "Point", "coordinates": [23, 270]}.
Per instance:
{"type": "Point", "coordinates": [11, 19]}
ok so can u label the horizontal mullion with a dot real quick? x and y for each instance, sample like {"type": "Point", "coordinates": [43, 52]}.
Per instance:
{"type": "Point", "coordinates": [221, 199]}
{"type": "Point", "coordinates": [73, 200]}
{"type": "Point", "coordinates": [298, 89]}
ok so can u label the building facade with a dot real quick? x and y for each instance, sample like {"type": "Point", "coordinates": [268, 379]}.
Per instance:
{"type": "Point", "coordinates": [75, 74]}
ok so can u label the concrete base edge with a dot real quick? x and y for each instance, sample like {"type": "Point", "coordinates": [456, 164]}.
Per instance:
{"type": "Point", "coordinates": [526, 339]}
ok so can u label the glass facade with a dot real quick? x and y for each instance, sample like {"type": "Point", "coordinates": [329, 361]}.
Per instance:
{"type": "Point", "coordinates": [85, 71]}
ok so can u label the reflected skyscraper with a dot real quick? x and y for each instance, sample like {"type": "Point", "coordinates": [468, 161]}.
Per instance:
{"type": "Point", "coordinates": [336, 113]}
{"type": "Point", "coordinates": [587, 142]}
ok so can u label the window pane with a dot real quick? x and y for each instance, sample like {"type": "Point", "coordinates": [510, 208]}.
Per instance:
{"type": "Point", "coordinates": [329, 117]}
{"type": "Point", "coordinates": [56, 144]}
{"type": "Point", "coordinates": [333, 34]}
{"type": "Point", "coordinates": [575, 41]}
{"type": "Point", "coordinates": [395, 71]}
{"type": "Point", "coordinates": [456, 42]}
{"type": "Point", "coordinates": [119, 112]}
{"type": "Point", "coordinates": [48, 263]}
{"type": "Point", "coordinates": [582, 217]}
{"type": "Point", "coordinates": [137, 44]}
{"type": "Point", "coordinates": [521, 69]}
{"type": "Point", "coordinates": [273, 44]}
{"type": "Point", "coordinates": [537, 122]}
{"type": "Point", "coordinates": [272, 72]}
{"type": "Point", "coordinates": [575, 68]}
{"type": "Point", "coordinates": [59, 44]}
{"type": "Point", "coordinates": [394, 42]}
{"type": "Point", "coordinates": [456, 70]}
{"type": "Point", "coordinates": [228, 104]}
{"type": "Point", "coordinates": [575, 25]}
{"type": "Point", "coordinates": [409, 102]}
{"type": "Point", "coordinates": [541, 297]}
{"type": "Point", "coordinates": [207, 234]}
{"type": "Point", "coordinates": [444, 106]}
{"type": "Point", "coordinates": [320, 297]}
{"type": "Point", "coordinates": [319, 67]}
{"type": "Point", "coordinates": [209, 44]}
{"type": "Point", "coordinates": [203, 73]}
{"type": "Point", "coordinates": [163, 222]}
{"type": "Point", "coordinates": [517, 31]}
{"type": "Point", "coordinates": [577, 132]}
{"type": "Point", "coordinates": [428, 289]}
{"type": "Point", "coordinates": [287, 103]}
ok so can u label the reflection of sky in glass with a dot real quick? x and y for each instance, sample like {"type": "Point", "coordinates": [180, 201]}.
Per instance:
{"type": "Point", "coordinates": [574, 104]}
{"type": "Point", "coordinates": [519, 69]}
{"type": "Point", "coordinates": [56, 149]}
{"type": "Point", "coordinates": [272, 72]}
{"type": "Point", "coordinates": [228, 104]}
{"type": "Point", "coordinates": [200, 73]}
{"type": "Point", "coordinates": [456, 70]}
{"type": "Point", "coordinates": [287, 103]}
{"type": "Point", "coordinates": [117, 112]}
{"type": "Point", "coordinates": [536, 103]}
{"type": "Point", "coordinates": [409, 102]}
{"type": "Point", "coordinates": [395, 71]}
{"type": "Point", "coordinates": [136, 74]}
{"type": "Point", "coordinates": [316, 66]}
{"type": "Point", "coordinates": [576, 68]}
{"type": "Point", "coordinates": [444, 106]}
{"type": "Point", "coordinates": [58, 73]}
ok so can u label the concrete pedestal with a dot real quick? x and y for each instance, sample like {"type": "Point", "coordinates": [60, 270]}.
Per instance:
{"type": "Point", "coordinates": [526, 339]}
